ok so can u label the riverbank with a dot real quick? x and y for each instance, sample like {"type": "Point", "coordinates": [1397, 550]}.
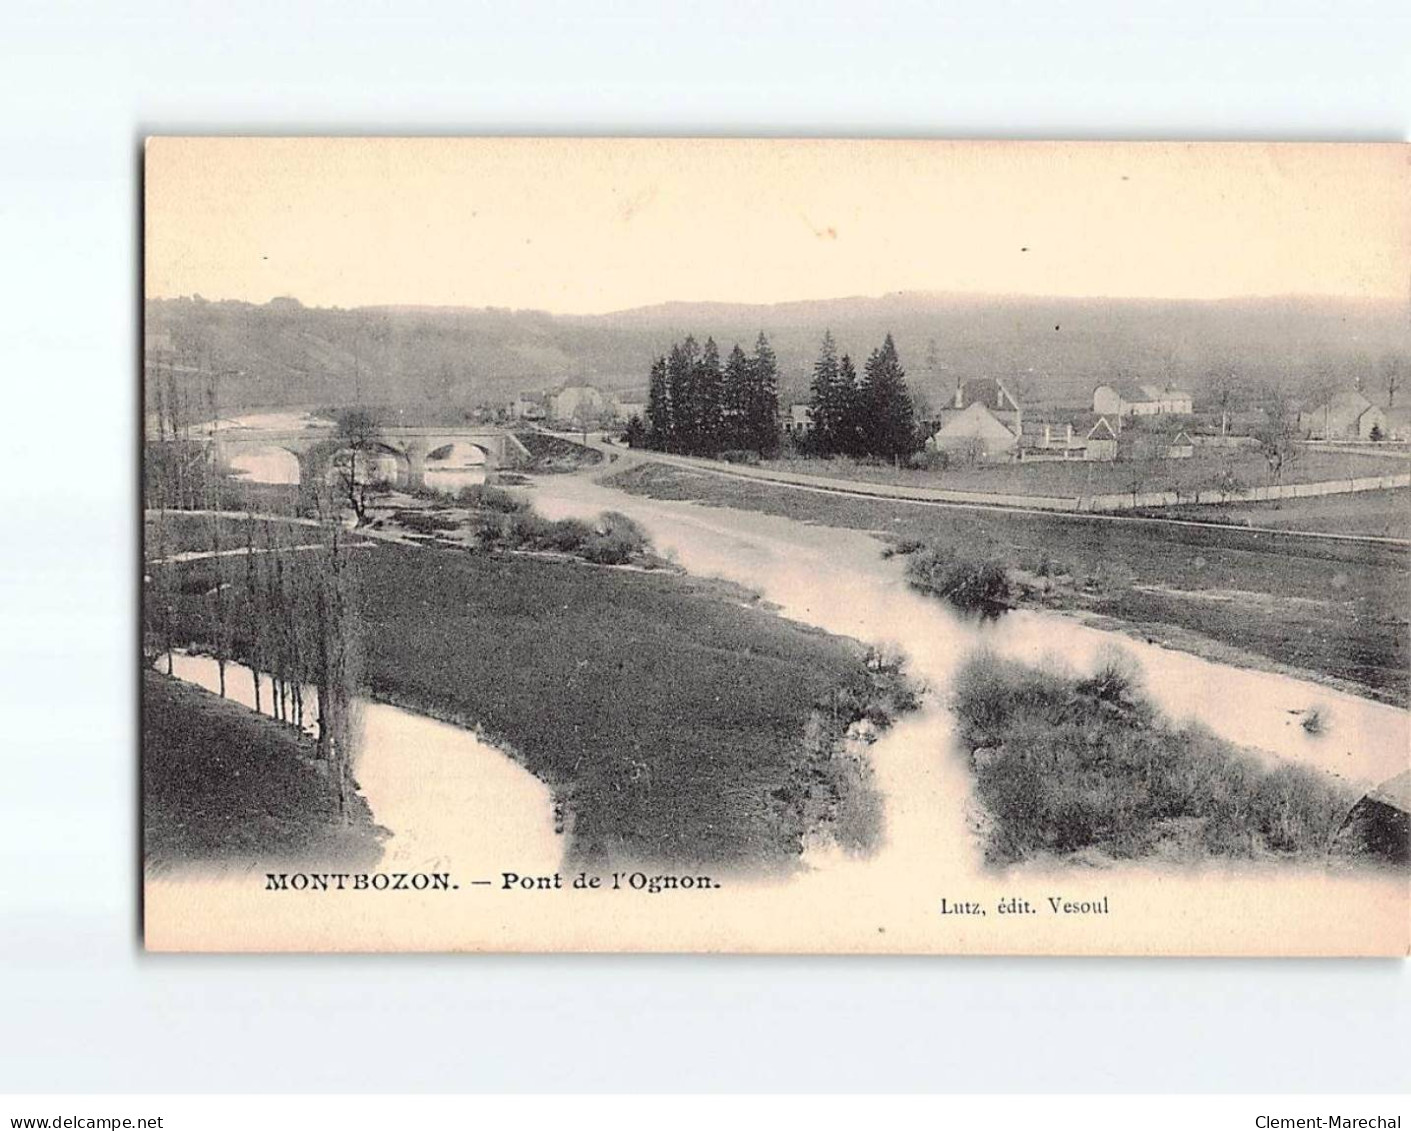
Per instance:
{"type": "Point", "coordinates": [1380, 514]}
{"type": "Point", "coordinates": [223, 786]}
{"type": "Point", "coordinates": [676, 720]}
{"type": "Point", "coordinates": [1326, 611]}
{"type": "Point", "coordinates": [1240, 468]}
{"type": "Point", "coordinates": [1085, 767]}
{"type": "Point", "coordinates": [837, 580]}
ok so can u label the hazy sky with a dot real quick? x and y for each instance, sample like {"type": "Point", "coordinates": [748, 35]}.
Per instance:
{"type": "Point", "coordinates": [590, 226]}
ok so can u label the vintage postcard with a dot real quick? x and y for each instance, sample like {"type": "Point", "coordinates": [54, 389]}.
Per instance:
{"type": "Point", "coordinates": [776, 546]}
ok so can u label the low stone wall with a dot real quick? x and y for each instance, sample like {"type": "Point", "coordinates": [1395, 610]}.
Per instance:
{"type": "Point", "coordinates": [1145, 499]}
{"type": "Point", "coordinates": [1128, 500]}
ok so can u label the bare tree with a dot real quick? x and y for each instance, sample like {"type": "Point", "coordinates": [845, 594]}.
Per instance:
{"type": "Point", "coordinates": [1221, 389]}
{"type": "Point", "coordinates": [359, 436]}
{"type": "Point", "coordinates": [335, 655]}
{"type": "Point", "coordinates": [1393, 368]}
{"type": "Point", "coordinates": [254, 610]}
{"type": "Point", "coordinates": [220, 614]}
{"type": "Point", "coordinates": [1322, 386]}
{"type": "Point", "coordinates": [1278, 434]}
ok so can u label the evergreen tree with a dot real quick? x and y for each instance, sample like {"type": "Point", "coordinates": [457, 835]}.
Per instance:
{"type": "Point", "coordinates": [709, 390]}
{"type": "Point", "coordinates": [658, 406]}
{"type": "Point", "coordinates": [735, 399]}
{"type": "Point", "coordinates": [826, 405]}
{"type": "Point", "coordinates": [888, 415]}
{"type": "Point", "coordinates": [851, 436]}
{"type": "Point", "coordinates": [635, 435]}
{"type": "Point", "coordinates": [681, 365]}
{"type": "Point", "coordinates": [762, 408]}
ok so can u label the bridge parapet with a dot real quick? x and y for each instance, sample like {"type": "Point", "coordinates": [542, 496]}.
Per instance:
{"type": "Point", "coordinates": [314, 446]}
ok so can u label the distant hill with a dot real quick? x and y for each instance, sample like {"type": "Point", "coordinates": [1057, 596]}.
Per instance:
{"type": "Point", "coordinates": [1053, 349]}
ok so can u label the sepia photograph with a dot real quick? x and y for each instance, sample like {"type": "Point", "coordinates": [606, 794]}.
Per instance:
{"type": "Point", "coordinates": [775, 546]}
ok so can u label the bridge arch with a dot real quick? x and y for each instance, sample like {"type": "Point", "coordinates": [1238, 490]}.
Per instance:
{"type": "Point", "coordinates": [255, 462]}
{"type": "Point", "coordinates": [376, 462]}
{"type": "Point", "coordinates": [458, 454]}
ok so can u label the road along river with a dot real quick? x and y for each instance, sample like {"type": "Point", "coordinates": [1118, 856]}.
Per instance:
{"type": "Point", "coordinates": [892, 901]}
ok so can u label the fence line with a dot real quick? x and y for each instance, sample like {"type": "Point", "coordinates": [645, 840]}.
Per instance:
{"type": "Point", "coordinates": [1115, 501]}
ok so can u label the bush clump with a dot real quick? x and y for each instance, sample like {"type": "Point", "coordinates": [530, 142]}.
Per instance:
{"type": "Point", "coordinates": [928, 460]}
{"type": "Point", "coordinates": [970, 583]}
{"type": "Point", "coordinates": [902, 547]}
{"type": "Point", "coordinates": [614, 539]}
{"type": "Point", "coordinates": [425, 522]}
{"type": "Point", "coordinates": [1065, 764]}
{"type": "Point", "coordinates": [483, 497]}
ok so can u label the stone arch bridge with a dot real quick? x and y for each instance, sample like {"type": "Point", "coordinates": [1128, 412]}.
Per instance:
{"type": "Point", "coordinates": [409, 446]}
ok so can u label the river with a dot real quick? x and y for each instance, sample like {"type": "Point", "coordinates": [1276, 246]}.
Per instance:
{"type": "Point", "coordinates": [448, 798]}
{"type": "Point", "coordinates": [433, 786]}
{"type": "Point", "coordinates": [838, 580]}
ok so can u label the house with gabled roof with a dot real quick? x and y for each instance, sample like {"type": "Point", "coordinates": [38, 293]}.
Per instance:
{"type": "Point", "coordinates": [1076, 437]}
{"type": "Point", "coordinates": [1127, 398]}
{"type": "Point", "coordinates": [1345, 416]}
{"type": "Point", "coordinates": [1100, 441]}
{"type": "Point", "coordinates": [1398, 423]}
{"type": "Point", "coordinates": [983, 415]}
{"type": "Point", "coordinates": [1180, 446]}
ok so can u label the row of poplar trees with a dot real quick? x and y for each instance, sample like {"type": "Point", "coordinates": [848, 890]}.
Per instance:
{"type": "Point", "coordinates": [873, 416]}
{"type": "Point", "coordinates": [697, 406]}
{"type": "Point", "coordinates": [272, 592]}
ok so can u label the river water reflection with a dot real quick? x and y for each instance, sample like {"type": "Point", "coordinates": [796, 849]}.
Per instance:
{"type": "Point", "coordinates": [435, 787]}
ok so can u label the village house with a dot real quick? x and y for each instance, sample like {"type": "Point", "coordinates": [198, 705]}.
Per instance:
{"type": "Point", "coordinates": [1398, 423]}
{"type": "Point", "coordinates": [526, 408]}
{"type": "Point", "coordinates": [983, 416]}
{"type": "Point", "coordinates": [1127, 398]}
{"type": "Point", "coordinates": [797, 422]}
{"type": "Point", "coordinates": [1051, 439]}
{"type": "Point", "coordinates": [1081, 437]}
{"type": "Point", "coordinates": [576, 402]}
{"type": "Point", "coordinates": [1346, 416]}
{"type": "Point", "coordinates": [1100, 441]}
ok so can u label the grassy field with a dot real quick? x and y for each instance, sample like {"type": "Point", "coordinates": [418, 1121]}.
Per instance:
{"type": "Point", "coordinates": [1323, 608]}
{"type": "Point", "coordinates": [185, 533]}
{"type": "Point", "coordinates": [1066, 765]}
{"type": "Point", "coordinates": [678, 725]}
{"type": "Point", "coordinates": [222, 785]}
{"type": "Point", "coordinates": [549, 454]}
{"type": "Point", "coordinates": [677, 721]}
{"type": "Point", "coordinates": [1206, 469]}
{"type": "Point", "coordinates": [1386, 514]}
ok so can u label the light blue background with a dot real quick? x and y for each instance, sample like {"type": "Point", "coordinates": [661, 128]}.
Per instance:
{"type": "Point", "coordinates": [81, 1008]}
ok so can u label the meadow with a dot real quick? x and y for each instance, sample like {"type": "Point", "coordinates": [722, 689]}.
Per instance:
{"type": "Point", "coordinates": [1327, 610]}
{"type": "Point", "coordinates": [223, 785]}
{"type": "Point", "coordinates": [1067, 765]}
{"type": "Point", "coordinates": [676, 721]}
{"type": "Point", "coordinates": [1207, 469]}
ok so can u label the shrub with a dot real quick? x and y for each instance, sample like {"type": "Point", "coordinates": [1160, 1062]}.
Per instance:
{"type": "Point", "coordinates": [937, 460]}
{"type": "Point", "coordinates": [425, 522]}
{"type": "Point", "coordinates": [1065, 763]}
{"type": "Point", "coordinates": [615, 540]}
{"type": "Point", "coordinates": [739, 455]}
{"type": "Point", "coordinates": [481, 496]}
{"type": "Point", "coordinates": [566, 535]}
{"type": "Point", "coordinates": [902, 547]}
{"type": "Point", "coordinates": [972, 584]}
